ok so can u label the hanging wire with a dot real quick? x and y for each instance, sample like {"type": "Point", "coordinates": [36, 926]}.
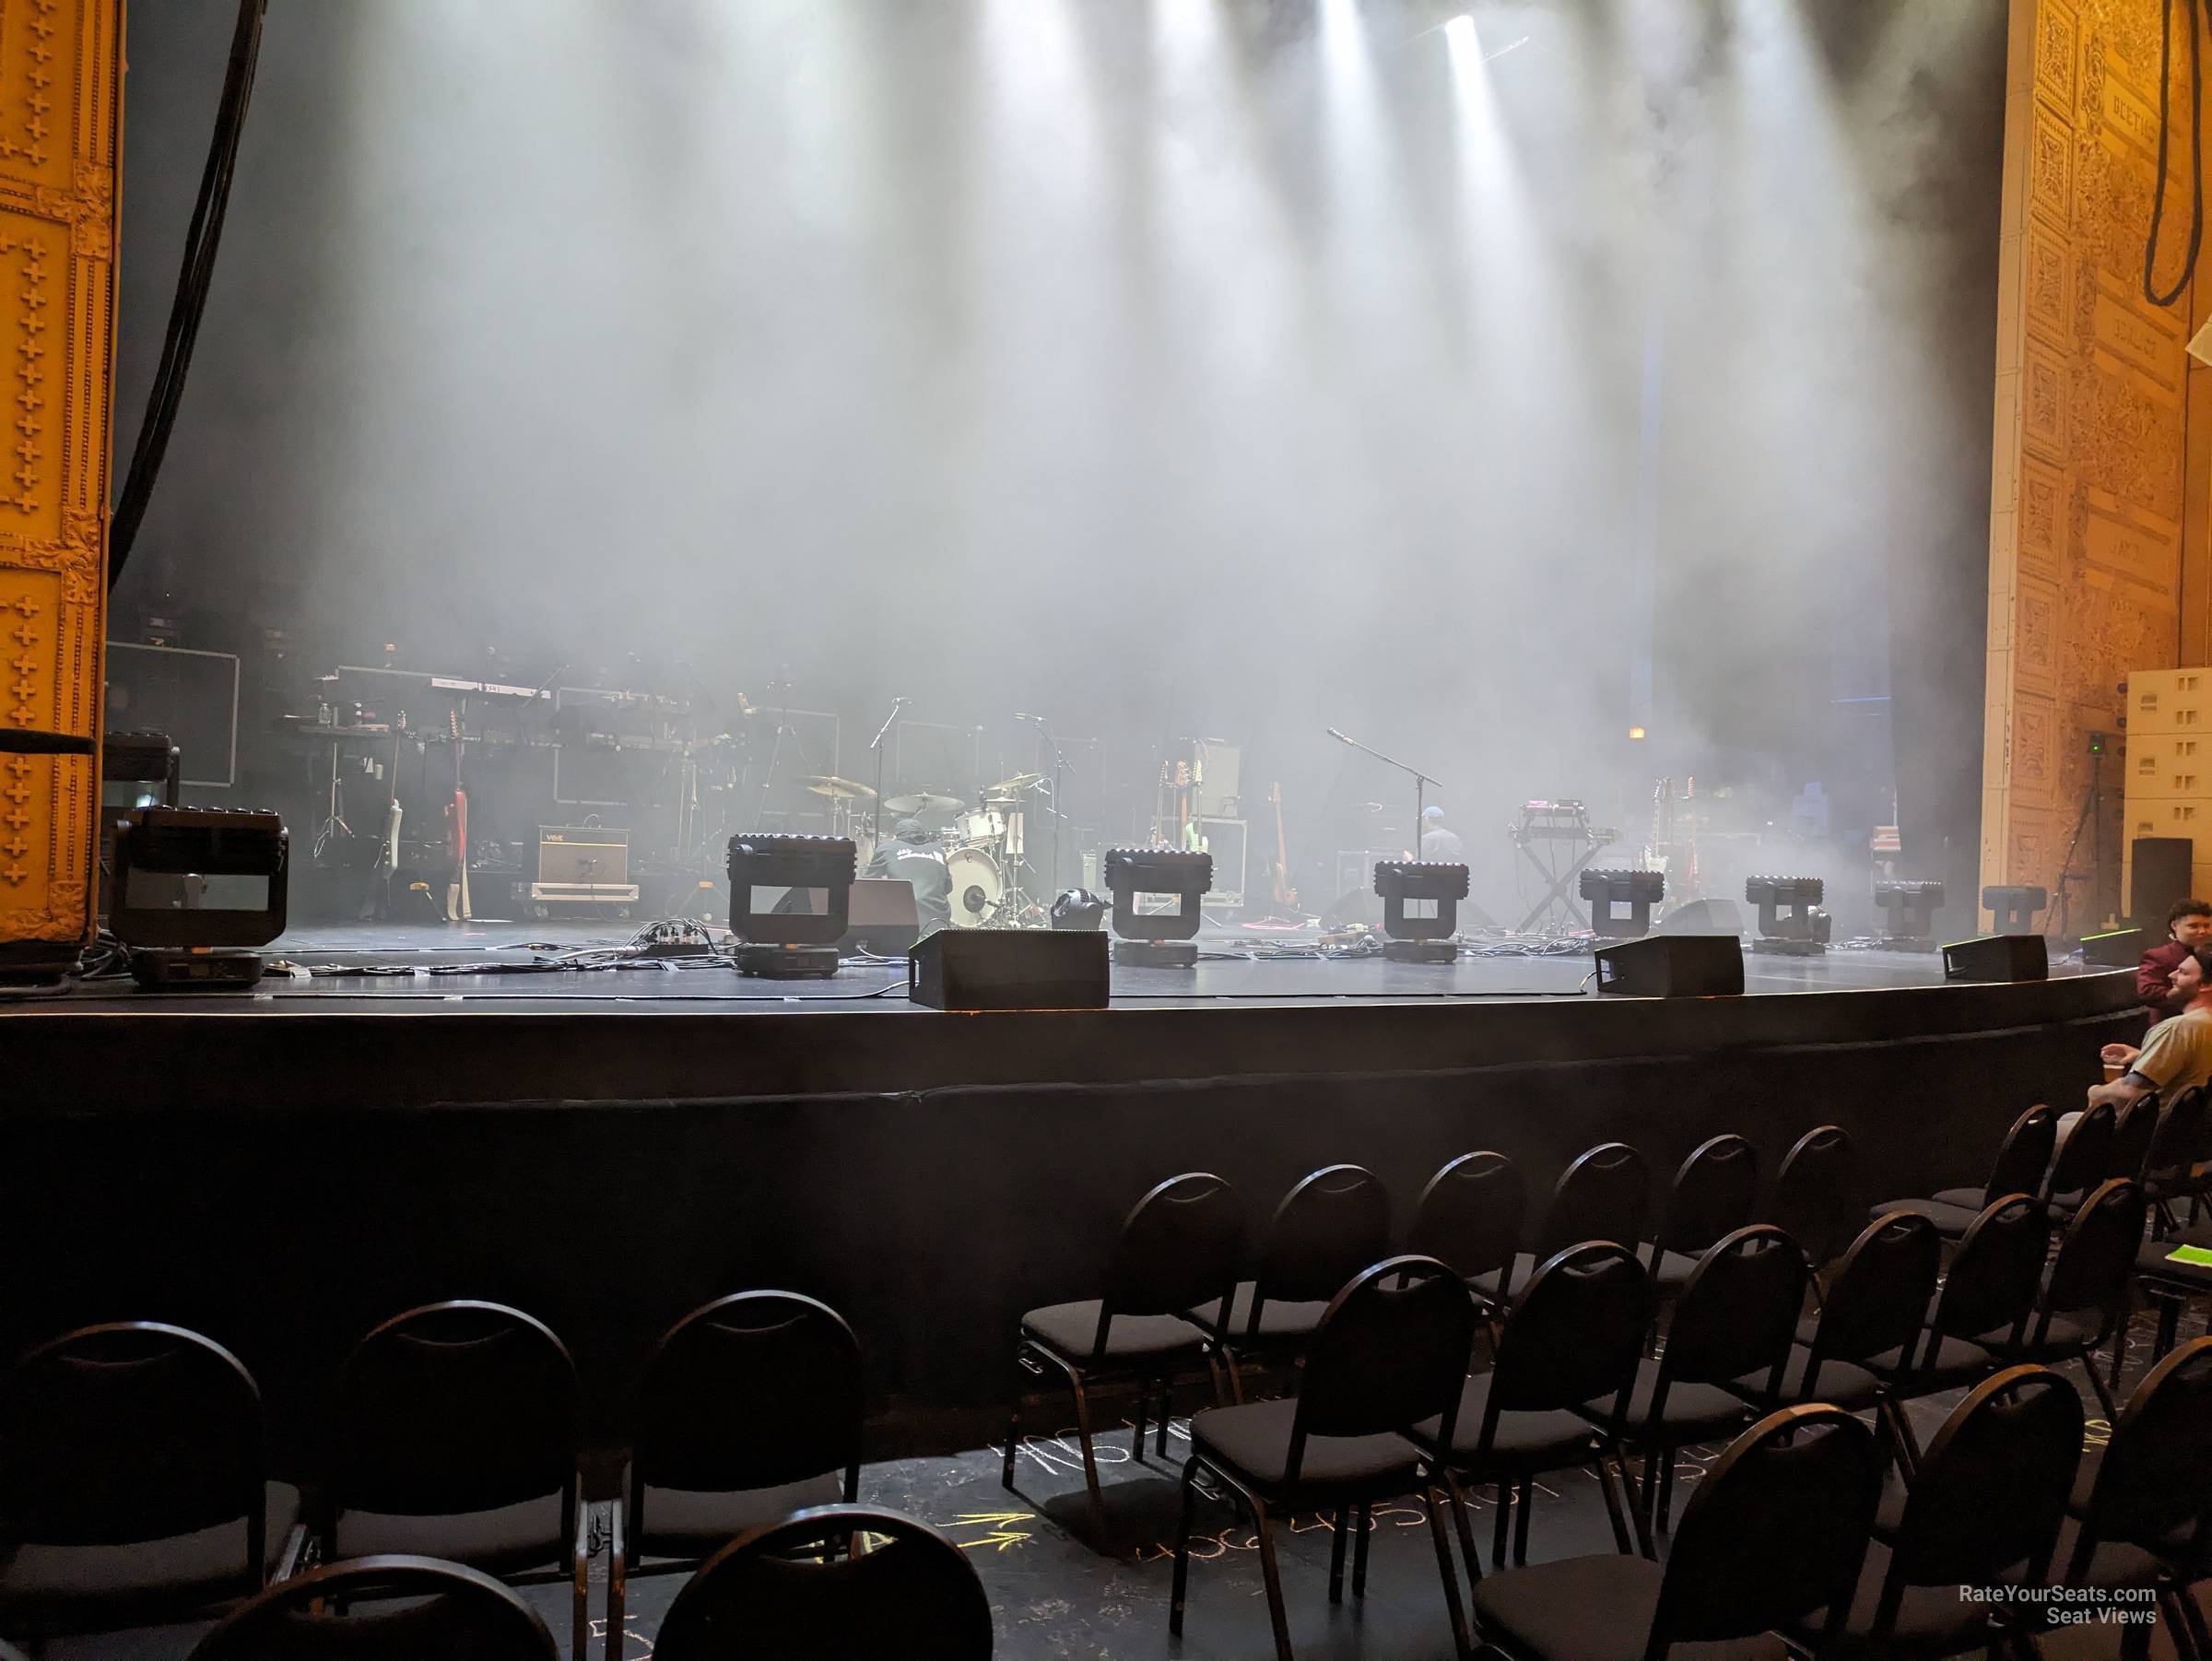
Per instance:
{"type": "Point", "coordinates": [2197, 157]}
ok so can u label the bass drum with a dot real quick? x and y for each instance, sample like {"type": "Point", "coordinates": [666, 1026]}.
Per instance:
{"type": "Point", "coordinates": [978, 887]}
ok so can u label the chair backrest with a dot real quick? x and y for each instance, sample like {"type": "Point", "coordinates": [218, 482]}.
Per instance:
{"type": "Point", "coordinates": [127, 1431]}
{"type": "Point", "coordinates": [1471, 1214]}
{"type": "Point", "coordinates": [1775, 1532]}
{"type": "Point", "coordinates": [915, 1595]}
{"type": "Point", "coordinates": [2131, 1139]}
{"type": "Point", "coordinates": [1602, 1196]}
{"type": "Point", "coordinates": [1993, 1278]}
{"type": "Point", "coordinates": [1182, 1246]}
{"type": "Point", "coordinates": [754, 1390]}
{"type": "Point", "coordinates": [2079, 1162]}
{"type": "Point", "coordinates": [382, 1608]}
{"type": "Point", "coordinates": [1813, 1193]}
{"type": "Point", "coordinates": [1990, 1492]}
{"type": "Point", "coordinates": [1880, 1293]}
{"type": "Point", "coordinates": [1576, 1333]}
{"type": "Point", "coordinates": [454, 1406]}
{"type": "Point", "coordinates": [1329, 1227]}
{"type": "Point", "coordinates": [1392, 1349]}
{"type": "Point", "coordinates": [2097, 1257]}
{"type": "Point", "coordinates": [2156, 1478]}
{"type": "Point", "coordinates": [1713, 1195]}
{"type": "Point", "coordinates": [1738, 1313]}
{"type": "Point", "coordinates": [2024, 1155]}
{"type": "Point", "coordinates": [2177, 1142]}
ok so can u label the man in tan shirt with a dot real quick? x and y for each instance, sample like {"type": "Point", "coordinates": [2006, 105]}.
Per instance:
{"type": "Point", "coordinates": [2178, 1052]}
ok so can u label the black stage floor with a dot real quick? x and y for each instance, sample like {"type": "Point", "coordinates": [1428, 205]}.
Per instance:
{"type": "Point", "coordinates": [554, 966]}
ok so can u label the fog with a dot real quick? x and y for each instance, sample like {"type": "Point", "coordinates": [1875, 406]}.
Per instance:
{"type": "Point", "coordinates": [1167, 367]}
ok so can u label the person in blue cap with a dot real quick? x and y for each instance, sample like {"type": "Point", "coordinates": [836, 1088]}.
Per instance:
{"type": "Point", "coordinates": [1440, 845]}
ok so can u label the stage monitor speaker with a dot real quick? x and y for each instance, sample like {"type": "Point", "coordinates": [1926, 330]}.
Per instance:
{"type": "Point", "coordinates": [2122, 949]}
{"type": "Point", "coordinates": [1703, 917]}
{"type": "Point", "coordinates": [1997, 958]}
{"type": "Point", "coordinates": [1009, 968]}
{"type": "Point", "coordinates": [2160, 866]}
{"type": "Point", "coordinates": [1672, 966]}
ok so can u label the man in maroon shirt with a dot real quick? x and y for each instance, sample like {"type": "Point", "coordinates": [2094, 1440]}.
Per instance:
{"type": "Point", "coordinates": [2188, 926]}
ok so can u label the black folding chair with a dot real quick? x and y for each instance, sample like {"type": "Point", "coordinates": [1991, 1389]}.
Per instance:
{"type": "Point", "coordinates": [2079, 1162]}
{"type": "Point", "coordinates": [1811, 1201]}
{"type": "Point", "coordinates": [1179, 1245]}
{"type": "Point", "coordinates": [382, 1608]}
{"type": "Point", "coordinates": [1737, 1318]}
{"type": "Point", "coordinates": [132, 1485]}
{"type": "Point", "coordinates": [2170, 1271]}
{"type": "Point", "coordinates": [1390, 1350]}
{"type": "Point", "coordinates": [781, 1594]}
{"type": "Point", "coordinates": [2142, 1510]}
{"type": "Point", "coordinates": [2084, 1299]}
{"type": "Point", "coordinates": [1573, 1338]}
{"type": "Point", "coordinates": [2177, 1143]}
{"type": "Point", "coordinates": [1876, 1299]}
{"type": "Point", "coordinates": [2023, 1158]}
{"type": "Point", "coordinates": [1773, 1537]}
{"type": "Point", "coordinates": [1712, 1197]}
{"type": "Point", "coordinates": [2133, 1127]}
{"type": "Point", "coordinates": [1331, 1225]}
{"type": "Point", "coordinates": [453, 1436]}
{"type": "Point", "coordinates": [1984, 1510]}
{"type": "Point", "coordinates": [749, 1408]}
{"type": "Point", "coordinates": [1601, 1196]}
{"type": "Point", "coordinates": [1470, 1215]}
{"type": "Point", "coordinates": [1981, 1312]}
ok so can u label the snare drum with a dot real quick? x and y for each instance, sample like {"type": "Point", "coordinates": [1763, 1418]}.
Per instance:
{"type": "Point", "coordinates": [988, 825]}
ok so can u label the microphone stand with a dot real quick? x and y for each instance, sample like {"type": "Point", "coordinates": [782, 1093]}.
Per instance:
{"type": "Point", "coordinates": [876, 744]}
{"type": "Point", "coordinates": [1421, 781]}
{"type": "Point", "coordinates": [1059, 780]}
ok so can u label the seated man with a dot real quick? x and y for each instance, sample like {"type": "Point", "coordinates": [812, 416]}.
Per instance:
{"type": "Point", "coordinates": [2178, 1052]}
{"type": "Point", "coordinates": [2188, 926]}
{"type": "Point", "coordinates": [914, 859]}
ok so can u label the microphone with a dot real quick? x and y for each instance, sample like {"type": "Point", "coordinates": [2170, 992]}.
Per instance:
{"type": "Point", "coordinates": [1018, 715]}
{"type": "Point", "coordinates": [1337, 735]}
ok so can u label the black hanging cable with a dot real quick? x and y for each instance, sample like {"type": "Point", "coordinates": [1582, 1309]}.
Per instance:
{"type": "Point", "coordinates": [2197, 157]}
{"type": "Point", "coordinates": [200, 240]}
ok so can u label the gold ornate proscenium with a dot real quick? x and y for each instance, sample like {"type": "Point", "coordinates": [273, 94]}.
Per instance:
{"type": "Point", "coordinates": [61, 66]}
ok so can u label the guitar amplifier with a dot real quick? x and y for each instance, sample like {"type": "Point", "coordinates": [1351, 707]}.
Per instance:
{"type": "Point", "coordinates": [582, 856]}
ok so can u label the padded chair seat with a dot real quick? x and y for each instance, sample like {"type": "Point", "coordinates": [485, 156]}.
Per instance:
{"type": "Point", "coordinates": [1072, 1328]}
{"type": "Point", "coordinates": [182, 1573]}
{"type": "Point", "coordinates": [503, 1540]}
{"type": "Point", "coordinates": [2067, 1335]}
{"type": "Point", "coordinates": [1254, 1441]}
{"type": "Point", "coordinates": [1693, 1411]}
{"type": "Point", "coordinates": [1540, 1440]}
{"type": "Point", "coordinates": [697, 1523]}
{"type": "Point", "coordinates": [1973, 1199]}
{"type": "Point", "coordinates": [1931, 1620]}
{"type": "Point", "coordinates": [1516, 1279]}
{"type": "Point", "coordinates": [1843, 1383]}
{"type": "Point", "coordinates": [2114, 1563]}
{"type": "Point", "coordinates": [1590, 1609]}
{"type": "Point", "coordinates": [1673, 1272]}
{"type": "Point", "coordinates": [1280, 1322]}
{"type": "Point", "coordinates": [1956, 1362]}
{"type": "Point", "coordinates": [2153, 1262]}
{"type": "Point", "coordinates": [1950, 1221]}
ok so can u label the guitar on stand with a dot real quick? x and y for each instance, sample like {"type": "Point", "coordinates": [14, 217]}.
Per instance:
{"type": "Point", "coordinates": [1284, 895]}
{"type": "Point", "coordinates": [456, 819]}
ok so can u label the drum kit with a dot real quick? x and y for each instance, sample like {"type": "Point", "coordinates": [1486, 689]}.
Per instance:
{"type": "Point", "coordinates": [983, 848]}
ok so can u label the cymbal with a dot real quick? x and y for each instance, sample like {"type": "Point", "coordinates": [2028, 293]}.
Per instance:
{"type": "Point", "coordinates": [1020, 780]}
{"type": "Point", "coordinates": [827, 784]}
{"type": "Point", "coordinates": [924, 802]}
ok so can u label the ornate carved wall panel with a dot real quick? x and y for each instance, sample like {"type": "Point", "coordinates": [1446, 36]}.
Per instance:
{"type": "Point", "coordinates": [2089, 526]}
{"type": "Point", "coordinates": [61, 64]}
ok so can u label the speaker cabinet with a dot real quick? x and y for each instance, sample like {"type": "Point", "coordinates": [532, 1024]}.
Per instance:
{"type": "Point", "coordinates": [1672, 966]}
{"type": "Point", "coordinates": [2122, 949]}
{"type": "Point", "coordinates": [1009, 968]}
{"type": "Point", "coordinates": [1997, 958]}
{"type": "Point", "coordinates": [2159, 867]}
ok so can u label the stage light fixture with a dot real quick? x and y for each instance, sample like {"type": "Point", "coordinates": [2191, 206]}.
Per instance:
{"type": "Point", "coordinates": [1427, 938]}
{"type": "Point", "coordinates": [194, 889]}
{"type": "Point", "coordinates": [1638, 891]}
{"type": "Point", "coordinates": [1790, 919]}
{"type": "Point", "coordinates": [785, 945]}
{"type": "Point", "coordinates": [1078, 910]}
{"type": "Point", "coordinates": [2014, 906]}
{"type": "Point", "coordinates": [1156, 939]}
{"type": "Point", "coordinates": [1911, 910]}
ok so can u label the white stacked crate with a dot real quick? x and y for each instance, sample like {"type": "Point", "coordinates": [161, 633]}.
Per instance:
{"type": "Point", "coordinates": [2169, 767]}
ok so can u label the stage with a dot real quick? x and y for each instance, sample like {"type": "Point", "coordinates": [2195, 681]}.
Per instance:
{"type": "Point", "coordinates": [609, 1147]}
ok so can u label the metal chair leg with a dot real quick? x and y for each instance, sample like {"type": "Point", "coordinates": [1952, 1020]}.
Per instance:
{"type": "Point", "coordinates": [1272, 1576]}
{"type": "Point", "coordinates": [1006, 1476]}
{"type": "Point", "coordinates": [1464, 1528]}
{"type": "Point", "coordinates": [1505, 1515]}
{"type": "Point", "coordinates": [1144, 1406]}
{"type": "Point", "coordinates": [1666, 1489]}
{"type": "Point", "coordinates": [1341, 1536]}
{"type": "Point", "coordinates": [1090, 1463]}
{"type": "Point", "coordinates": [1183, 1546]}
{"type": "Point", "coordinates": [1167, 1400]}
{"type": "Point", "coordinates": [1367, 1529]}
{"type": "Point", "coordinates": [1528, 1503]}
{"type": "Point", "coordinates": [1461, 1644]}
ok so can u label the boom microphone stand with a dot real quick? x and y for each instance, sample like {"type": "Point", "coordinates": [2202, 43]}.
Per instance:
{"type": "Point", "coordinates": [1059, 779]}
{"type": "Point", "coordinates": [876, 744]}
{"type": "Point", "coordinates": [1421, 781]}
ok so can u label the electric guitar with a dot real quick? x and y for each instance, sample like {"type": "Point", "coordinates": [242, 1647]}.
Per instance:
{"type": "Point", "coordinates": [1285, 895]}
{"type": "Point", "coordinates": [456, 813]}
